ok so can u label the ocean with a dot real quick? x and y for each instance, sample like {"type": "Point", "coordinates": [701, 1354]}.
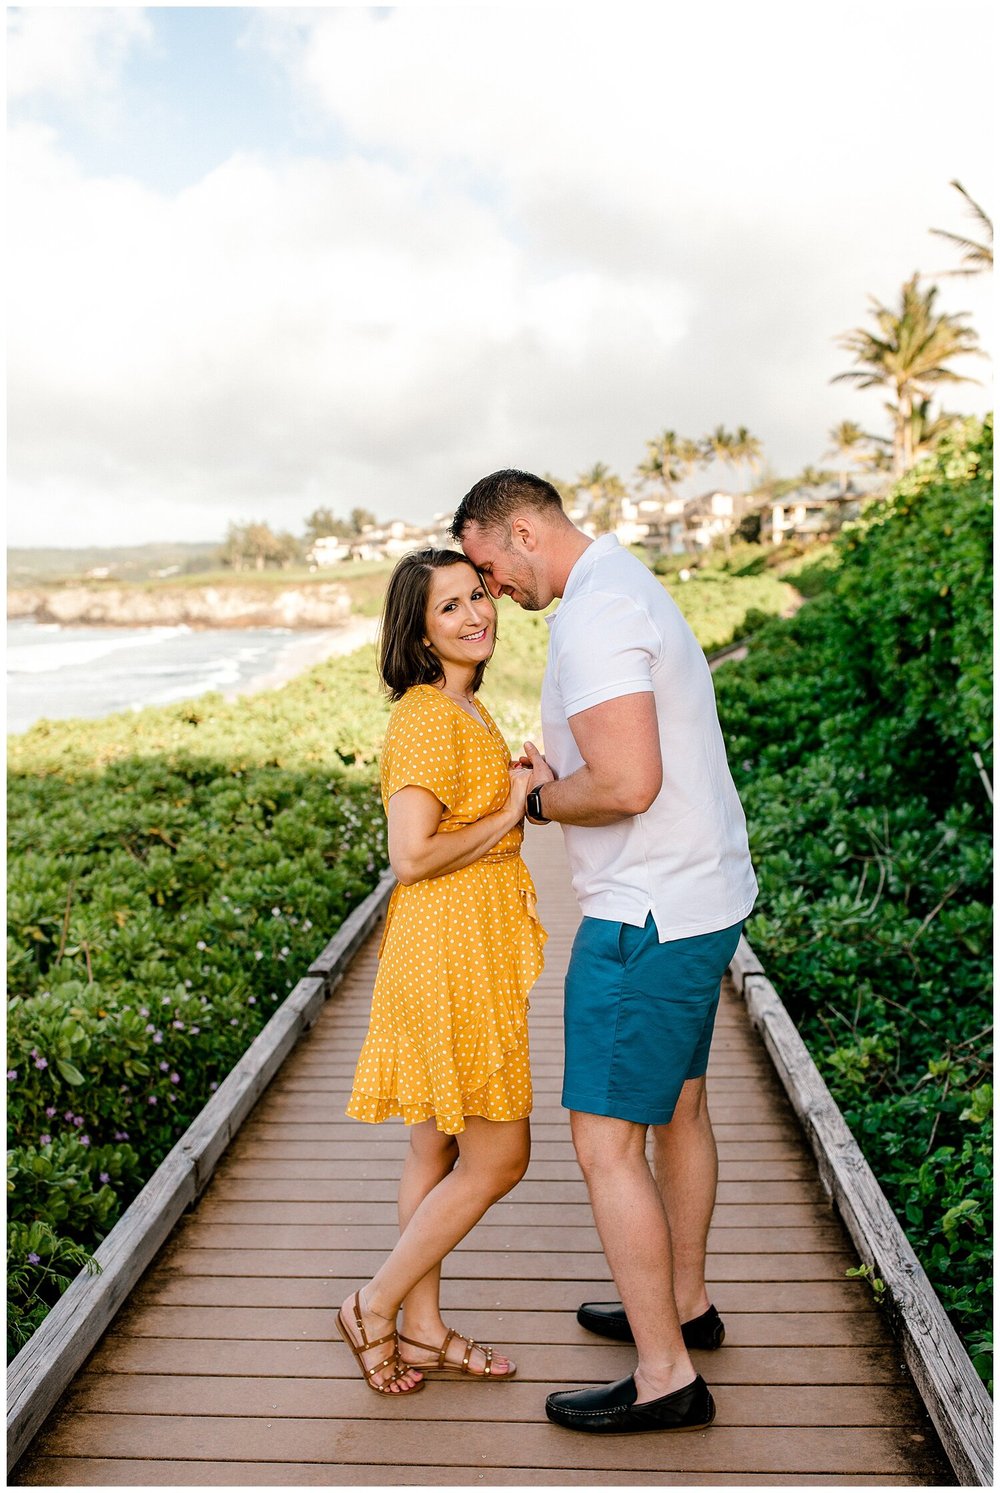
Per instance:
{"type": "Point", "coordinates": [58, 672]}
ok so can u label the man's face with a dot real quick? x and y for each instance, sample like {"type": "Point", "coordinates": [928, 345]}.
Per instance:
{"type": "Point", "coordinates": [506, 570]}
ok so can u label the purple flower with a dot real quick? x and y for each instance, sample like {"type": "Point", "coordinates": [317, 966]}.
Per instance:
{"type": "Point", "coordinates": [164, 1066]}
{"type": "Point", "coordinates": [213, 1086]}
{"type": "Point", "coordinates": [233, 1021]}
{"type": "Point", "coordinates": [175, 1078]}
{"type": "Point", "coordinates": [143, 1010]}
{"type": "Point", "coordinates": [11, 1074]}
{"type": "Point", "coordinates": [41, 1062]}
{"type": "Point", "coordinates": [85, 1140]}
{"type": "Point", "coordinates": [178, 1026]}
{"type": "Point", "coordinates": [104, 1177]}
{"type": "Point", "coordinates": [51, 1111]}
{"type": "Point", "coordinates": [45, 1140]}
{"type": "Point", "coordinates": [121, 1135]}
{"type": "Point", "coordinates": [68, 1115]}
{"type": "Point", "coordinates": [152, 1099]}
{"type": "Point", "coordinates": [34, 1259]}
{"type": "Point", "coordinates": [150, 1027]}
{"type": "Point", "coordinates": [157, 1036]}
{"type": "Point", "coordinates": [252, 1001]}
{"type": "Point", "coordinates": [78, 1120]}
{"type": "Point", "coordinates": [195, 1030]}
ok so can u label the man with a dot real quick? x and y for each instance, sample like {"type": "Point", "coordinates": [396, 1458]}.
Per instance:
{"type": "Point", "coordinates": [636, 773]}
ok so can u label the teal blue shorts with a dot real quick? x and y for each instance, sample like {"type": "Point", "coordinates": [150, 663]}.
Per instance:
{"type": "Point", "coordinates": [639, 1016]}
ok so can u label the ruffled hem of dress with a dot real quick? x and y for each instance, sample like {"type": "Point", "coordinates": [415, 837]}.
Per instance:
{"type": "Point", "coordinates": [492, 1098]}
{"type": "Point", "coordinates": [494, 1101]}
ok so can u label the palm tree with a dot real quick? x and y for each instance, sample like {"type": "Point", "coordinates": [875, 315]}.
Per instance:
{"type": "Point", "coordinates": [670, 458]}
{"type": "Point", "coordinates": [848, 442]}
{"type": "Point", "coordinates": [719, 446]}
{"type": "Point", "coordinates": [908, 354]}
{"type": "Point", "coordinates": [746, 450]}
{"type": "Point", "coordinates": [606, 491]}
{"type": "Point", "coordinates": [926, 428]}
{"type": "Point", "coordinates": [977, 258]}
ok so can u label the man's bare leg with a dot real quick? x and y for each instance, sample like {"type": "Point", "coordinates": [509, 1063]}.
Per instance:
{"type": "Point", "coordinates": [686, 1165]}
{"type": "Point", "coordinates": [635, 1235]}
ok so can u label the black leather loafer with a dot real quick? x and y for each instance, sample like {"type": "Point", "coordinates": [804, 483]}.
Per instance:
{"type": "Point", "coordinates": [610, 1410]}
{"type": "Point", "coordinates": [608, 1318]}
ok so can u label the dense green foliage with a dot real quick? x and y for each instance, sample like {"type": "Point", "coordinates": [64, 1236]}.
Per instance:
{"type": "Point", "coordinates": [852, 732]}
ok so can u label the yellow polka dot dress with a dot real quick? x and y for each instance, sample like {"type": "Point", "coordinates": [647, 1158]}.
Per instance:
{"type": "Point", "coordinates": [448, 1034]}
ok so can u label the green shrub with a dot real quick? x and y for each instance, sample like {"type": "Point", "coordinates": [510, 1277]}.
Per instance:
{"type": "Point", "coordinates": [851, 732]}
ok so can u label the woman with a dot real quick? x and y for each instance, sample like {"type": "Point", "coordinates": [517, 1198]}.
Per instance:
{"type": "Point", "coordinates": [447, 1043]}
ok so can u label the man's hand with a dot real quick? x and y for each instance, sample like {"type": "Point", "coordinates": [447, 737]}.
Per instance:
{"type": "Point", "coordinates": [541, 772]}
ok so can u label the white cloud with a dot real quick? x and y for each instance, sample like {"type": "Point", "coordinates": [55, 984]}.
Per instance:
{"type": "Point", "coordinates": [553, 232]}
{"type": "Point", "coordinates": [274, 337]}
{"type": "Point", "coordinates": [75, 55]}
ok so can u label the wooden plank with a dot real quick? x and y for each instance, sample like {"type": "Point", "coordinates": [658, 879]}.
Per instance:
{"type": "Point", "coordinates": [485, 1237]}
{"type": "Point", "coordinates": [736, 1300]}
{"type": "Point", "coordinates": [544, 1363]}
{"type": "Point", "coordinates": [360, 1265]}
{"type": "Point", "coordinates": [487, 1444]}
{"type": "Point", "coordinates": [955, 1396]}
{"type": "Point", "coordinates": [261, 1324]}
{"type": "Point", "coordinates": [552, 1196]}
{"type": "Point", "coordinates": [106, 1472]}
{"type": "Point", "coordinates": [308, 1398]}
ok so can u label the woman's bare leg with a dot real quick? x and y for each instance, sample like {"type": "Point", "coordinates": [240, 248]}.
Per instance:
{"type": "Point", "coordinates": [493, 1157]}
{"type": "Point", "coordinates": [431, 1157]}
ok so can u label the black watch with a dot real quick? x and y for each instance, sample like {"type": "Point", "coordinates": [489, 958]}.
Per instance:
{"type": "Point", "coordinates": [533, 804]}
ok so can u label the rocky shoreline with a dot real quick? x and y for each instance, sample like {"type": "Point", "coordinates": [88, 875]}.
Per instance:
{"type": "Point", "coordinates": [324, 604]}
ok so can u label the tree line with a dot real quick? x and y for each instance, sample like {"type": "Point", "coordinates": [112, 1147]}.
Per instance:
{"type": "Point", "coordinates": [255, 545]}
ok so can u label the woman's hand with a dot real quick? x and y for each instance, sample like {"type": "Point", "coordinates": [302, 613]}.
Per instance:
{"type": "Point", "coordinates": [520, 782]}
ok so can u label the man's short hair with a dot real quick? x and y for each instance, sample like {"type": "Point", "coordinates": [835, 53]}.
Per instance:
{"type": "Point", "coordinates": [494, 499]}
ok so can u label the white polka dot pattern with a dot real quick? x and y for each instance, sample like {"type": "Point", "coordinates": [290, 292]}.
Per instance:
{"type": "Point", "coordinates": [448, 1034]}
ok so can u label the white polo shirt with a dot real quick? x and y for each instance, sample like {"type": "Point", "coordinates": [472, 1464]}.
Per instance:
{"type": "Point", "coordinates": [686, 859]}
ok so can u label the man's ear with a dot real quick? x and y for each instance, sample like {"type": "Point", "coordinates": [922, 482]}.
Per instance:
{"type": "Point", "coordinates": [522, 532]}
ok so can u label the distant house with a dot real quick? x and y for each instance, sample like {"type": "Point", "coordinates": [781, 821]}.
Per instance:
{"type": "Point", "coordinates": [811, 512]}
{"type": "Point", "coordinates": [328, 549]}
{"type": "Point", "coordinates": [711, 515]}
{"type": "Point", "coordinates": [657, 523]}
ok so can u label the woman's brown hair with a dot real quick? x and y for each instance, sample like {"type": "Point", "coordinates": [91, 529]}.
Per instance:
{"type": "Point", "coordinates": [404, 659]}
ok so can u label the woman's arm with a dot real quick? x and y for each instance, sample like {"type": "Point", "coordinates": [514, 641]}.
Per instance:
{"type": "Point", "coordinates": [419, 850]}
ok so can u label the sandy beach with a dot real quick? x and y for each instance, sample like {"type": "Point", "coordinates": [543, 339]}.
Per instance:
{"type": "Point", "coordinates": [307, 652]}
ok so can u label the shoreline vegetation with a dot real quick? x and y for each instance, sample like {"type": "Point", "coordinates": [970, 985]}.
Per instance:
{"type": "Point", "coordinates": [173, 871]}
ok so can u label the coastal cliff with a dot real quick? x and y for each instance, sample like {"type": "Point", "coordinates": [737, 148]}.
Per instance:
{"type": "Point", "coordinates": [320, 604]}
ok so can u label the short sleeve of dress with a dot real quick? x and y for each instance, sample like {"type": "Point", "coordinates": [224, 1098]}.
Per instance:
{"type": "Point", "coordinates": [422, 750]}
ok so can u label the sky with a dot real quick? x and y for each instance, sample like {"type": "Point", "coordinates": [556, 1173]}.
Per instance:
{"type": "Point", "coordinates": [266, 259]}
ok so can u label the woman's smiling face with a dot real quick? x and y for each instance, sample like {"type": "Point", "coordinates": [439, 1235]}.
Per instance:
{"type": "Point", "coordinates": [460, 621]}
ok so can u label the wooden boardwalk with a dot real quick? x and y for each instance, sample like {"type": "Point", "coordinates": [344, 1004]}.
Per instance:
{"type": "Point", "coordinates": [226, 1368]}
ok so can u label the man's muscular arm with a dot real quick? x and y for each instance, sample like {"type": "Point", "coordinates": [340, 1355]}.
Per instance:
{"type": "Point", "coordinates": [621, 773]}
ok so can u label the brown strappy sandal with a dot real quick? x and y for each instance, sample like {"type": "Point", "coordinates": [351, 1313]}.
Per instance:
{"type": "Point", "coordinates": [441, 1369]}
{"type": "Point", "coordinates": [393, 1362]}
